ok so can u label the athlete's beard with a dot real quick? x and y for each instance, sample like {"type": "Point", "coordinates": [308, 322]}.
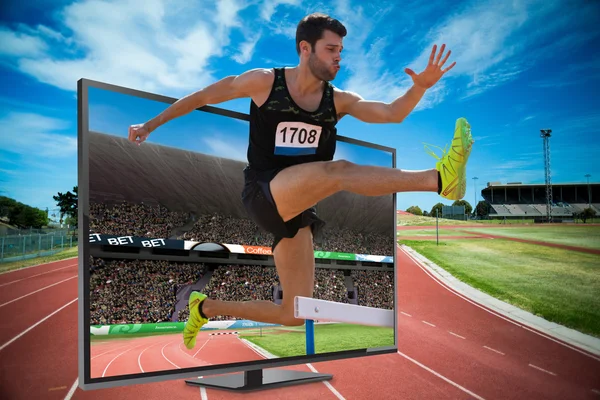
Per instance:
{"type": "Point", "coordinates": [319, 68]}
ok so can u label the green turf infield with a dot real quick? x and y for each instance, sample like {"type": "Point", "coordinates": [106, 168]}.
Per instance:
{"type": "Point", "coordinates": [558, 285]}
{"type": "Point", "coordinates": [581, 236]}
{"type": "Point", "coordinates": [290, 341]}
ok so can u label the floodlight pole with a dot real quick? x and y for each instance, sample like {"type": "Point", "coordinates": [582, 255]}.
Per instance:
{"type": "Point", "coordinates": [545, 134]}
{"type": "Point", "coordinates": [589, 191]}
{"type": "Point", "coordinates": [475, 194]}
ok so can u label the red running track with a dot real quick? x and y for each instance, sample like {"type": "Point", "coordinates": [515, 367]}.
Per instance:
{"type": "Point", "coordinates": [449, 348]}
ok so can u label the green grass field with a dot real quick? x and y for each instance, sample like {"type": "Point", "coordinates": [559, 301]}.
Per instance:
{"type": "Point", "coordinates": [561, 286]}
{"type": "Point", "coordinates": [328, 338]}
{"type": "Point", "coordinates": [432, 232]}
{"type": "Point", "coordinates": [582, 236]}
{"type": "Point", "coordinates": [68, 253]}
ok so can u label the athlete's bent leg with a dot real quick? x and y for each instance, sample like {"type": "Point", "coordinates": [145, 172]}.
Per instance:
{"type": "Point", "coordinates": [295, 263]}
{"type": "Point", "coordinates": [299, 187]}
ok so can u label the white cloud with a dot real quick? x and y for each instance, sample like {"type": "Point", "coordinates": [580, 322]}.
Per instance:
{"type": "Point", "coordinates": [247, 49]}
{"type": "Point", "coordinates": [270, 6]}
{"type": "Point", "coordinates": [223, 147]}
{"type": "Point", "coordinates": [165, 46]}
{"type": "Point", "coordinates": [20, 44]}
{"type": "Point", "coordinates": [36, 136]}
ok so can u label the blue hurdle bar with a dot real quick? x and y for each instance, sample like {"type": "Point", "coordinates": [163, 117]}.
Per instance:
{"type": "Point", "coordinates": [310, 337]}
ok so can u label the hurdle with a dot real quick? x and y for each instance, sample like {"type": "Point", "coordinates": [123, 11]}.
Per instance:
{"type": "Point", "coordinates": [311, 309]}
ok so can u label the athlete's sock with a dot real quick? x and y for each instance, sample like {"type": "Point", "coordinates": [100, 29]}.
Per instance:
{"type": "Point", "coordinates": [439, 183]}
{"type": "Point", "coordinates": [200, 309]}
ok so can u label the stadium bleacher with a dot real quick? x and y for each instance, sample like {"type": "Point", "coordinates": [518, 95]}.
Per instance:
{"type": "Point", "coordinates": [522, 201]}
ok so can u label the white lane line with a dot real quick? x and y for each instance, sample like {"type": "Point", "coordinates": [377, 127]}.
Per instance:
{"type": "Point", "coordinates": [101, 354]}
{"type": "Point", "coordinates": [119, 355]}
{"type": "Point", "coordinates": [205, 343]}
{"type": "Point", "coordinates": [36, 324]}
{"type": "Point", "coordinates": [72, 390]}
{"type": "Point", "coordinates": [494, 350]}
{"type": "Point", "coordinates": [33, 276]}
{"type": "Point", "coordinates": [329, 385]}
{"type": "Point", "coordinates": [425, 322]}
{"type": "Point", "coordinates": [495, 313]}
{"type": "Point", "coordinates": [39, 290]}
{"type": "Point", "coordinates": [408, 315]}
{"type": "Point", "coordinates": [452, 333]}
{"type": "Point", "coordinates": [162, 351]}
{"type": "Point", "coordinates": [442, 377]}
{"type": "Point", "coordinates": [542, 369]}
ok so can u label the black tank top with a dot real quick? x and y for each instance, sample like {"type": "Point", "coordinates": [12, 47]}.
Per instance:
{"type": "Point", "coordinates": [283, 134]}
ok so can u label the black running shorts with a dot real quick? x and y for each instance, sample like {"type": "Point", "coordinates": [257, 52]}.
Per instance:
{"type": "Point", "coordinates": [261, 208]}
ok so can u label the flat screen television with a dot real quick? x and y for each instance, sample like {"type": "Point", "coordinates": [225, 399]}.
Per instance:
{"type": "Point", "coordinates": [163, 219]}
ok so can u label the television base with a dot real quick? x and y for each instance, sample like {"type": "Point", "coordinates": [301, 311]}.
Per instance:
{"type": "Point", "coordinates": [258, 379]}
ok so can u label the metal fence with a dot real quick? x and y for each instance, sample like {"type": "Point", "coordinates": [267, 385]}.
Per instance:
{"type": "Point", "coordinates": [454, 212]}
{"type": "Point", "coordinates": [20, 247]}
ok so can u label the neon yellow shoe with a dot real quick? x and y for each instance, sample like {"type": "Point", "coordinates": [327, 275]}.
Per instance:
{"type": "Point", "coordinates": [452, 166]}
{"type": "Point", "coordinates": [195, 321]}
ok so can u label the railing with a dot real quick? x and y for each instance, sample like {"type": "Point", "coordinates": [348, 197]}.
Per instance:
{"type": "Point", "coordinates": [20, 247]}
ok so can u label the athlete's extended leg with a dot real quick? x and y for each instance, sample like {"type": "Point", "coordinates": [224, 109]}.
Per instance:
{"type": "Point", "coordinates": [295, 263]}
{"type": "Point", "coordinates": [300, 187]}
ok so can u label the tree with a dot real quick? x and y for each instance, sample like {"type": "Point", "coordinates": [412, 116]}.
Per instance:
{"type": "Point", "coordinates": [482, 209]}
{"type": "Point", "coordinates": [67, 203]}
{"type": "Point", "coordinates": [439, 207]}
{"type": "Point", "coordinates": [414, 210]}
{"type": "Point", "coordinates": [468, 207]}
{"type": "Point", "coordinates": [22, 215]}
{"type": "Point", "coordinates": [588, 213]}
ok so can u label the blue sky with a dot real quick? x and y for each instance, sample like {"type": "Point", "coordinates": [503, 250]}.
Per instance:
{"type": "Point", "coordinates": [521, 66]}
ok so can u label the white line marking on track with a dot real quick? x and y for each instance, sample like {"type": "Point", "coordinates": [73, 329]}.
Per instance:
{"type": "Point", "coordinates": [203, 394]}
{"type": "Point", "coordinates": [596, 391]}
{"type": "Point", "coordinates": [33, 276]}
{"type": "Point", "coordinates": [162, 351]}
{"type": "Point", "coordinates": [428, 323]}
{"type": "Point", "coordinates": [36, 324]}
{"type": "Point", "coordinates": [495, 313]}
{"type": "Point", "coordinates": [101, 354]}
{"type": "Point", "coordinates": [329, 385]}
{"type": "Point", "coordinates": [39, 290]}
{"type": "Point", "coordinates": [72, 390]}
{"type": "Point", "coordinates": [140, 358]}
{"type": "Point", "coordinates": [408, 315]}
{"type": "Point", "coordinates": [542, 369]}
{"type": "Point", "coordinates": [452, 333]}
{"type": "Point", "coordinates": [494, 350]}
{"type": "Point", "coordinates": [441, 377]}
{"type": "Point", "coordinates": [205, 343]}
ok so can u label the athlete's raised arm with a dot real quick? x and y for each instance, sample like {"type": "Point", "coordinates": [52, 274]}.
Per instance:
{"type": "Point", "coordinates": [380, 112]}
{"type": "Point", "coordinates": [229, 88]}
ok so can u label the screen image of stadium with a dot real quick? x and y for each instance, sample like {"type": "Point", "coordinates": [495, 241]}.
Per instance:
{"type": "Point", "coordinates": [166, 218]}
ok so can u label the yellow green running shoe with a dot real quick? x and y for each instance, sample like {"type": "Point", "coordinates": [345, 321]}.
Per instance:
{"type": "Point", "coordinates": [452, 166]}
{"type": "Point", "coordinates": [195, 321]}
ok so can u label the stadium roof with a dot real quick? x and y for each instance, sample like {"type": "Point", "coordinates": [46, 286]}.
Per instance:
{"type": "Point", "coordinates": [194, 182]}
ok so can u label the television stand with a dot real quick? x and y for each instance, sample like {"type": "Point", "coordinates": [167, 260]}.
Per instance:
{"type": "Point", "coordinates": [258, 379]}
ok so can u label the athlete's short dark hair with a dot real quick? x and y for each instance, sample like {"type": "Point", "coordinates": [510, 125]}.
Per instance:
{"type": "Point", "coordinates": [311, 28]}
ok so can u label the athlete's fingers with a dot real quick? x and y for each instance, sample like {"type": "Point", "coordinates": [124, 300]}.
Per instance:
{"type": "Point", "coordinates": [432, 54]}
{"type": "Point", "coordinates": [437, 60]}
{"type": "Point", "coordinates": [449, 68]}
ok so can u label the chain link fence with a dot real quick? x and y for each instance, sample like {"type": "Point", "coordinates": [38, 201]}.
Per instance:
{"type": "Point", "coordinates": [24, 246]}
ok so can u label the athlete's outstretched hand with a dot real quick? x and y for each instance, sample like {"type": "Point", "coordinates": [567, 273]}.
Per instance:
{"type": "Point", "coordinates": [433, 72]}
{"type": "Point", "coordinates": [138, 133]}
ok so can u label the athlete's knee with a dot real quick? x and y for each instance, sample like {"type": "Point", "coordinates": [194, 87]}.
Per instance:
{"type": "Point", "coordinates": [335, 170]}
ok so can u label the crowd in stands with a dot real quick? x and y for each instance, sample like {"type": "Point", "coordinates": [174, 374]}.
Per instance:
{"type": "Point", "coordinates": [137, 291]}
{"type": "Point", "coordinates": [375, 288]}
{"type": "Point", "coordinates": [158, 222]}
{"type": "Point", "coordinates": [145, 291]}
{"type": "Point", "coordinates": [134, 219]}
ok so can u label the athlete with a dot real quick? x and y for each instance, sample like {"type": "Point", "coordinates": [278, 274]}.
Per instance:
{"type": "Point", "coordinates": [292, 140]}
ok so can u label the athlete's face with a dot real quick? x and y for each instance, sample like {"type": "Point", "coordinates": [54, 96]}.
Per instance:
{"type": "Point", "coordinates": [324, 61]}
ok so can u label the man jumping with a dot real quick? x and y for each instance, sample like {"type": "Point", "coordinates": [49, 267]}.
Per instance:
{"type": "Point", "coordinates": [293, 117]}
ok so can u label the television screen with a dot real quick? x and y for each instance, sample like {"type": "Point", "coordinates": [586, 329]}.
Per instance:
{"type": "Point", "coordinates": [166, 219]}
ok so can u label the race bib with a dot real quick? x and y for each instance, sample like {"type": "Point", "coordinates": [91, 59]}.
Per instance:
{"type": "Point", "coordinates": [296, 139]}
